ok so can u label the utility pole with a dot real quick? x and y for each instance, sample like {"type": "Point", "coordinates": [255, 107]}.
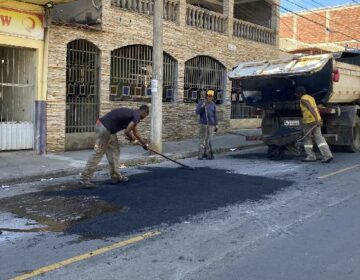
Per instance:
{"type": "Point", "coordinates": [157, 79]}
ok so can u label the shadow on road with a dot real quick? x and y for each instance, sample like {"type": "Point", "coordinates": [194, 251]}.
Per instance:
{"type": "Point", "coordinates": [263, 156]}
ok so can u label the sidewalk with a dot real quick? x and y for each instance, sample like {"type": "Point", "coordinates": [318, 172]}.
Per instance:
{"type": "Point", "coordinates": [26, 166]}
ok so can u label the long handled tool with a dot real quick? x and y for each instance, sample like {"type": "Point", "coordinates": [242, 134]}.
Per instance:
{"type": "Point", "coordinates": [307, 134]}
{"type": "Point", "coordinates": [179, 163]}
{"type": "Point", "coordinates": [207, 134]}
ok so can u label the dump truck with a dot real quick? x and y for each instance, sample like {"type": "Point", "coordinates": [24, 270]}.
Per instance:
{"type": "Point", "coordinates": [332, 79]}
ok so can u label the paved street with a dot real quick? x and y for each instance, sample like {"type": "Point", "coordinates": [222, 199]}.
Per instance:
{"type": "Point", "coordinates": [240, 216]}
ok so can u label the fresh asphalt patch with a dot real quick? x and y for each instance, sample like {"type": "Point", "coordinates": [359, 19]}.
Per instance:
{"type": "Point", "coordinates": [263, 156]}
{"type": "Point", "coordinates": [148, 199]}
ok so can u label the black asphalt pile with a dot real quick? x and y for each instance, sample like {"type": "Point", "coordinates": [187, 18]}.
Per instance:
{"type": "Point", "coordinates": [169, 195]}
{"type": "Point", "coordinates": [160, 195]}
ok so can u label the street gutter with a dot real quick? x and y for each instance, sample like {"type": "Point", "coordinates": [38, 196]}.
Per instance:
{"type": "Point", "coordinates": [153, 159]}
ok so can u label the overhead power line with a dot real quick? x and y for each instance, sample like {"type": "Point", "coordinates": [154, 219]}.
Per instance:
{"type": "Point", "coordinates": [313, 21]}
{"type": "Point", "coordinates": [319, 15]}
{"type": "Point", "coordinates": [251, 14]}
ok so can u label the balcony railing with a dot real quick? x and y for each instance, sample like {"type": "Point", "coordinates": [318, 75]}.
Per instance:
{"type": "Point", "coordinates": [205, 19]}
{"type": "Point", "coordinates": [147, 7]}
{"type": "Point", "coordinates": [254, 32]}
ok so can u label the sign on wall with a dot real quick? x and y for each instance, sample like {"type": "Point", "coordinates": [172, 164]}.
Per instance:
{"type": "Point", "coordinates": [22, 23]}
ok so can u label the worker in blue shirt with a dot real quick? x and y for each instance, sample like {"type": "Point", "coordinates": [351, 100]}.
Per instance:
{"type": "Point", "coordinates": [208, 125]}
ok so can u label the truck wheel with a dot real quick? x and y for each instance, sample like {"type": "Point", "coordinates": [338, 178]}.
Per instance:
{"type": "Point", "coordinates": [276, 152]}
{"type": "Point", "coordinates": [355, 147]}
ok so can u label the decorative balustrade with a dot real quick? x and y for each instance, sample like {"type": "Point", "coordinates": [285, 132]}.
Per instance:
{"type": "Point", "coordinates": [205, 19]}
{"type": "Point", "coordinates": [254, 32]}
{"type": "Point", "coordinates": [147, 7]}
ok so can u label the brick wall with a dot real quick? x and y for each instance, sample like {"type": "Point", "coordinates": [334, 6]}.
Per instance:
{"type": "Point", "coordinates": [343, 23]}
{"type": "Point", "coordinates": [121, 28]}
{"type": "Point", "coordinates": [286, 27]}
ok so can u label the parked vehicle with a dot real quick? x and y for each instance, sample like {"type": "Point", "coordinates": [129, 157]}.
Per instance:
{"type": "Point", "coordinates": [332, 79]}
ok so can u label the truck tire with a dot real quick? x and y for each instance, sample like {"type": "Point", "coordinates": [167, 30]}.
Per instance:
{"type": "Point", "coordinates": [276, 152]}
{"type": "Point", "coordinates": [355, 147]}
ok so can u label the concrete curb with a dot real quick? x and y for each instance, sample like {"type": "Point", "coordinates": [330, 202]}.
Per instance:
{"type": "Point", "coordinates": [130, 163]}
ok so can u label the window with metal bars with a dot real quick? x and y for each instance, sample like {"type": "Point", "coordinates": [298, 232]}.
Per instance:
{"type": "Point", "coordinates": [131, 73]}
{"type": "Point", "coordinates": [82, 86]}
{"type": "Point", "coordinates": [239, 109]}
{"type": "Point", "coordinates": [203, 73]}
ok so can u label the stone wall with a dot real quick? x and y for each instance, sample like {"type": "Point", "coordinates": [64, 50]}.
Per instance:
{"type": "Point", "coordinates": [121, 28]}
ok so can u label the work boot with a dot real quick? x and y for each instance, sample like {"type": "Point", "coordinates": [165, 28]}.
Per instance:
{"type": "Point", "coordinates": [327, 159]}
{"type": "Point", "coordinates": [326, 153]}
{"type": "Point", "coordinates": [201, 157]}
{"type": "Point", "coordinates": [210, 157]}
{"type": "Point", "coordinates": [121, 179]}
{"type": "Point", "coordinates": [309, 159]}
{"type": "Point", "coordinates": [86, 183]}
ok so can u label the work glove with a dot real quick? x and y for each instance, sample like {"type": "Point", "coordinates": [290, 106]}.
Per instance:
{"type": "Point", "coordinates": [145, 147]}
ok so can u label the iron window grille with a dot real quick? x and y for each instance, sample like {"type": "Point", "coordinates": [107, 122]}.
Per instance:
{"type": "Point", "coordinates": [131, 74]}
{"type": "Point", "coordinates": [82, 86]}
{"type": "Point", "coordinates": [239, 109]}
{"type": "Point", "coordinates": [203, 73]}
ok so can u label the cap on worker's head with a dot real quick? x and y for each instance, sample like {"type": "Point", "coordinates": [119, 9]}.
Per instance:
{"type": "Point", "coordinates": [300, 90]}
{"type": "Point", "coordinates": [210, 93]}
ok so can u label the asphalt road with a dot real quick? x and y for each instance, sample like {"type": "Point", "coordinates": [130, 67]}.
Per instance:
{"type": "Point", "coordinates": [240, 216]}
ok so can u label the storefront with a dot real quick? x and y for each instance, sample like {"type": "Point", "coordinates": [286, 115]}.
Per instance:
{"type": "Point", "coordinates": [22, 94]}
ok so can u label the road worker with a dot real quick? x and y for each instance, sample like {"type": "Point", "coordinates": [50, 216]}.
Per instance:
{"type": "Point", "coordinates": [312, 123]}
{"type": "Point", "coordinates": [206, 109]}
{"type": "Point", "coordinates": [107, 143]}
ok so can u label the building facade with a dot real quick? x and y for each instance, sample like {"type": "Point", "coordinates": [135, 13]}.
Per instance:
{"type": "Point", "coordinates": [100, 58]}
{"type": "Point", "coordinates": [23, 70]}
{"type": "Point", "coordinates": [321, 30]}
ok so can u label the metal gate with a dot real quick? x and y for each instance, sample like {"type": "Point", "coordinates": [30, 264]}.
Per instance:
{"type": "Point", "coordinates": [82, 92]}
{"type": "Point", "coordinates": [17, 76]}
{"type": "Point", "coordinates": [201, 74]}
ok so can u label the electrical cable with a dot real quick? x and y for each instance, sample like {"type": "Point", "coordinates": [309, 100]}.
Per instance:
{"type": "Point", "coordinates": [319, 15]}
{"type": "Point", "coordinates": [250, 13]}
{"type": "Point", "coordinates": [313, 21]}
